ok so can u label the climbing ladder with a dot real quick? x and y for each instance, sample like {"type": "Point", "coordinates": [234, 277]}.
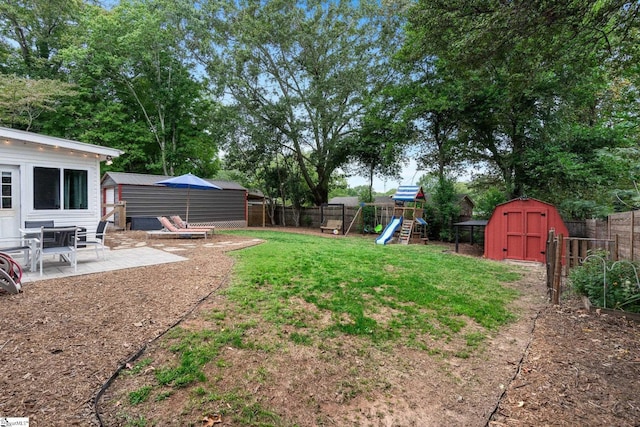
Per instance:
{"type": "Point", "coordinates": [405, 232]}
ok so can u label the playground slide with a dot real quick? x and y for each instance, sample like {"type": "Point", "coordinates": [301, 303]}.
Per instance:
{"type": "Point", "coordinates": [391, 228]}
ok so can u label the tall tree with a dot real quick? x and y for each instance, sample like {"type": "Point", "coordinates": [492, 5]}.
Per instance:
{"type": "Point", "coordinates": [431, 98]}
{"type": "Point", "coordinates": [36, 30]}
{"type": "Point", "coordinates": [524, 66]}
{"type": "Point", "coordinates": [379, 144]}
{"type": "Point", "coordinates": [134, 53]}
{"type": "Point", "coordinates": [23, 100]}
{"type": "Point", "coordinates": [304, 70]}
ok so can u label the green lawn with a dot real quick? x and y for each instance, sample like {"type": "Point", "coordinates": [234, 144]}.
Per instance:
{"type": "Point", "coordinates": [384, 292]}
{"type": "Point", "coordinates": [332, 296]}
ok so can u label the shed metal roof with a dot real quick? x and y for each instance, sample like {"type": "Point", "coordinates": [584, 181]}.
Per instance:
{"type": "Point", "coordinates": [355, 201]}
{"type": "Point", "coordinates": [125, 178]}
{"type": "Point", "coordinates": [472, 223]}
{"type": "Point", "coordinates": [345, 200]}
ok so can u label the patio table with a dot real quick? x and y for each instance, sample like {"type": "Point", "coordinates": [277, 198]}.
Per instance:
{"type": "Point", "coordinates": [56, 247]}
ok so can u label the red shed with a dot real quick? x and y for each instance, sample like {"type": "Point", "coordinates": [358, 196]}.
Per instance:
{"type": "Point", "coordinates": [518, 229]}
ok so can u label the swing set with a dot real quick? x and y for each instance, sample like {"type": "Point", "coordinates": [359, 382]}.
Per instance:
{"type": "Point", "coordinates": [372, 217]}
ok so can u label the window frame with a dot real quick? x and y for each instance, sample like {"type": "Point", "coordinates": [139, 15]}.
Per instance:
{"type": "Point", "coordinates": [67, 188]}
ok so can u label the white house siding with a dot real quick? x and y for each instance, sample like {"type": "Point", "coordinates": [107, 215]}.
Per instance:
{"type": "Point", "coordinates": [26, 156]}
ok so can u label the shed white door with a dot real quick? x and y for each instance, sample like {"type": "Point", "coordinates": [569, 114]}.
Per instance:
{"type": "Point", "coordinates": [9, 201]}
{"type": "Point", "coordinates": [109, 195]}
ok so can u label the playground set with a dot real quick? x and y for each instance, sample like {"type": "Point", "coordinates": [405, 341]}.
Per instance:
{"type": "Point", "coordinates": [407, 221]}
{"type": "Point", "coordinates": [399, 221]}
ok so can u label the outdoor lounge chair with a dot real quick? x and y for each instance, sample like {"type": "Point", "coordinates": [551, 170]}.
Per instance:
{"type": "Point", "coordinates": [181, 225]}
{"type": "Point", "coordinates": [170, 230]}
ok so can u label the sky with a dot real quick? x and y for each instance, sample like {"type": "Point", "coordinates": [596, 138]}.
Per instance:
{"type": "Point", "coordinates": [409, 176]}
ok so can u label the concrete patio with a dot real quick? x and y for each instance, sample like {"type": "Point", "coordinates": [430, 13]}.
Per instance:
{"type": "Point", "coordinates": [128, 250]}
{"type": "Point", "coordinates": [89, 263]}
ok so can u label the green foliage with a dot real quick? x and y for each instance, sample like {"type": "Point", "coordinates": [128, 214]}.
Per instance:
{"type": "Point", "coordinates": [303, 339]}
{"type": "Point", "coordinates": [23, 100]}
{"type": "Point", "coordinates": [487, 202]}
{"type": "Point", "coordinates": [138, 367]}
{"type": "Point", "coordinates": [139, 421]}
{"type": "Point", "coordinates": [608, 284]}
{"type": "Point", "coordinates": [582, 209]}
{"type": "Point", "coordinates": [429, 182]}
{"type": "Point", "coordinates": [544, 104]}
{"type": "Point", "coordinates": [139, 396]}
{"type": "Point", "coordinates": [299, 75]}
{"type": "Point", "coordinates": [134, 56]}
{"type": "Point", "coordinates": [34, 31]}
{"type": "Point", "coordinates": [196, 349]}
{"type": "Point", "coordinates": [445, 206]}
{"type": "Point", "coordinates": [526, 96]}
{"type": "Point", "coordinates": [378, 145]}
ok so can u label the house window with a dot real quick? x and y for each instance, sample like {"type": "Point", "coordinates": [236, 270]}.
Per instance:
{"type": "Point", "coordinates": [75, 189]}
{"type": "Point", "coordinates": [5, 199]}
{"type": "Point", "coordinates": [47, 183]}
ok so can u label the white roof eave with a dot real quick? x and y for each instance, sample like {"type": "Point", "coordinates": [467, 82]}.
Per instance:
{"type": "Point", "coordinates": [7, 134]}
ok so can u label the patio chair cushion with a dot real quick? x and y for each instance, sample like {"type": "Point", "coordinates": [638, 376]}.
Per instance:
{"type": "Point", "coordinates": [181, 225]}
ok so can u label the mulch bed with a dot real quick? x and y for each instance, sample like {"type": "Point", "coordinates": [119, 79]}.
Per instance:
{"type": "Point", "coordinates": [62, 339]}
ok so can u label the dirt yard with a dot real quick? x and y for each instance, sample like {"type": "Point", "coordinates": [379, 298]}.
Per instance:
{"type": "Point", "coordinates": [61, 340]}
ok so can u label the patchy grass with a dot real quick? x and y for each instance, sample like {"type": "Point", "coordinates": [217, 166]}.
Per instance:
{"type": "Point", "coordinates": [418, 289]}
{"type": "Point", "coordinates": [311, 294]}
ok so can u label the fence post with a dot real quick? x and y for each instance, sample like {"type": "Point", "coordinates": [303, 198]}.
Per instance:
{"type": "Point", "coordinates": [551, 256]}
{"type": "Point", "coordinates": [558, 270]}
{"type": "Point", "coordinates": [633, 216]}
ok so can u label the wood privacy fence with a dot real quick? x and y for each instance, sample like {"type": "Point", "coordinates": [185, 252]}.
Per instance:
{"type": "Point", "coordinates": [311, 217]}
{"type": "Point", "coordinates": [626, 227]}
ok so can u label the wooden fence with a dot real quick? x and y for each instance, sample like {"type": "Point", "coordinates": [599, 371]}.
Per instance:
{"type": "Point", "coordinates": [311, 217]}
{"type": "Point", "coordinates": [117, 213]}
{"type": "Point", "coordinates": [564, 253]}
{"type": "Point", "coordinates": [626, 226]}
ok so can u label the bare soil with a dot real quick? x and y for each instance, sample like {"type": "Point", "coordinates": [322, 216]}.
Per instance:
{"type": "Point", "coordinates": [62, 340]}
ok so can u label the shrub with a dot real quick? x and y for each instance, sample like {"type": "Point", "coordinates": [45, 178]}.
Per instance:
{"type": "Point", "coordinates": [618, 278]}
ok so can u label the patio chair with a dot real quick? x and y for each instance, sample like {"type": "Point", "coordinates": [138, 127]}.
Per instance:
{"type": "Point", "coordinates": [37, 224]}
{"type": "Point", "coordinates": [96, 240]}
{"type": "Point", "coordinates": [181, 225]}
{"type": "Point", "coordinates": [10, 274]}
{"type": "Point", "coordinates": [17, 246]}
{"type": "Point", "coordinates": [65, 245]}
{"type": "Point", "coordinates": [170, 230]}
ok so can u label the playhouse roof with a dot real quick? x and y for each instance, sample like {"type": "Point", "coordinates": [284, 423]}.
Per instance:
{"type": "Point", "coordinates": [409, 193]}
